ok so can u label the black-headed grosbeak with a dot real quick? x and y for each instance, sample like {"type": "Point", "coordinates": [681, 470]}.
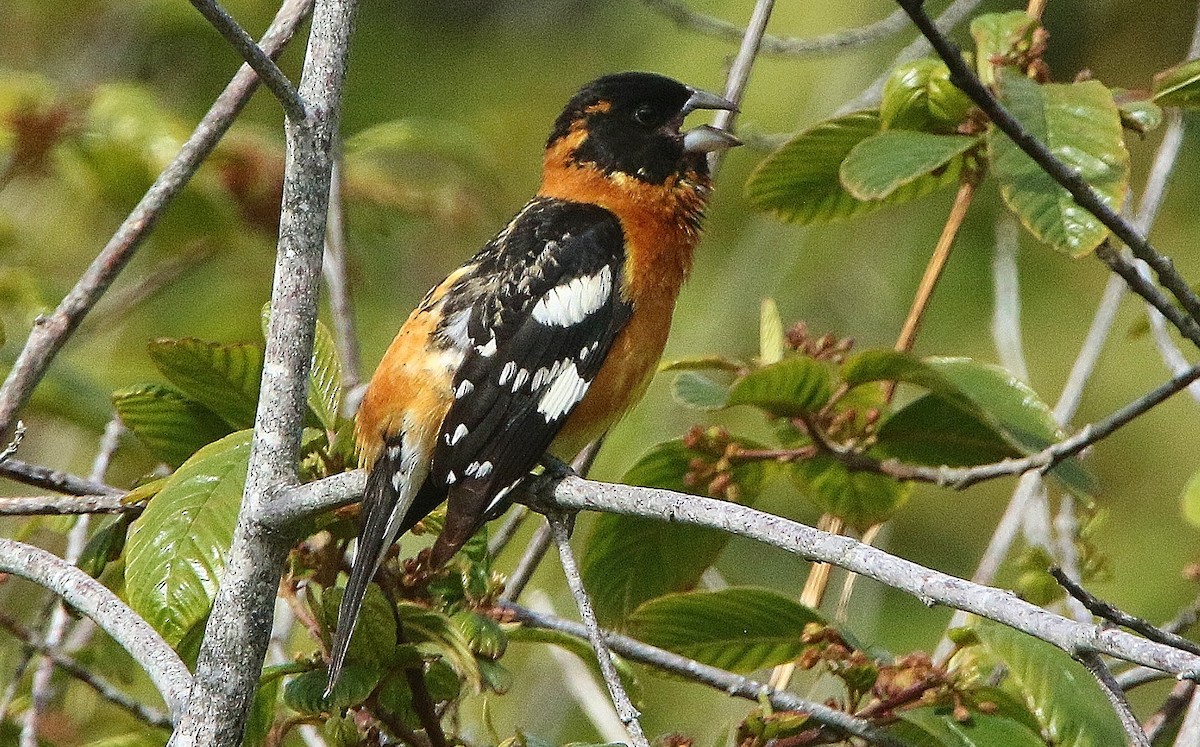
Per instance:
{"type": "Point", "coordinates": [544, 338]}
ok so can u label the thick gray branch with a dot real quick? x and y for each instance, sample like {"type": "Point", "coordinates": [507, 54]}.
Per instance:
{"type": "Point", "coordinates": [90, 597]}
{"type": "Point", "coordinates": [50, 332]}
{"type": "Point", "coordinates": [239, 627]}
{"type": "Point", "coordinates": [57, 505]}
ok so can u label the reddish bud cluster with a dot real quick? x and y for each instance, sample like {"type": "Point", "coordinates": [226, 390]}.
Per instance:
{"type": "Point", "coordinates": [713, 469]}
{"type": "Point", "coordinates": [827, 347]}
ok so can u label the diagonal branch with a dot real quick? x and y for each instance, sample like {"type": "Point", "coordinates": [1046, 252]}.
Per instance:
{"type": "Point", "coordinates": [1116, 698]}
{"type": "Point", "coordinates": [56, 505]}
{"type": "Point", "coordinates": [1107, 611]}
{"type": "Point", "coordinates": [50, 332]}
{"type": "Point", "coordinates": [90, 597]}
{"type": "Point", "coordinates": [52, 479]}
{"type": "Point", "coordinates": [727, 682]}
{"type": "Point", "coordinates": [1087, 198]}
{"type": "Point", "coordinates": [268, 72]}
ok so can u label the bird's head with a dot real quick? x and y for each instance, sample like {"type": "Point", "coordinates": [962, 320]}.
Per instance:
{"type": "Point", "coordinates": [631, 124]}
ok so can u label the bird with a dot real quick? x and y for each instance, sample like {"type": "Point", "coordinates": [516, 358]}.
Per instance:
{"type": "Point", "coordinates": [547, 335]}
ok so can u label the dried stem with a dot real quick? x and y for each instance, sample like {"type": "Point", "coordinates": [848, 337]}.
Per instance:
{"type": "Point", "coordinates": [50, 332]}
{"type": "Point", "coordinates": [560, 530]}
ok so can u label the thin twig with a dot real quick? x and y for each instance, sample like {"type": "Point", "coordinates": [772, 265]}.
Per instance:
{"type": "Point", "coordinates": [239, 626]}
{"type": "Point", "coordinates": [1066, 530]}
{"type": "Point", "coordinates": [337, 282]}
{"type": "Point", "coordinates": [718, 679]}
{"type": "Point", "coordinates": [1006, 310]}
{"type": "Point", "coordinates": [560, 529]}
{"type": "Point", "coordinates": [1116, 698]}
{"type": "Point", "coordinates": [739, 73]}
{"type": "Point", "coordinates": [53, 479]}
{"type": "Point", "coordinates": [50, 332]}
{"type": "Point", "coordinates": [103, 687]}
{"type": "Point", "coordinates": [1189, 731]}
{"type": "Point", "coordinates": [1170, 710]}
{"type": "Point", "coordinates": [268, 72]}
{"type": "Point", "coordinates": [90, 597]}
{"type": "Point", "coordinates": [1109, 612]}
{"type": "Point", "coordinates": [786, 46]}
{"type": "Point", "coordinates": [1141, 285]}
{"type": "Point", "coordinates": [57, 505]}
{"type": "Point", "coordinates": [534, 552]}
{"type": "Point", "coordinates": [969, 83]}
{"type": "Point", "coordinates": [500, 536]}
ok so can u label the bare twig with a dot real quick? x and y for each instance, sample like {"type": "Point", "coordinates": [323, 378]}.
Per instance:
{"type": "Point", "coordinates": [1189, 731]}
{"type": "Point", "coordinates": [1170, 710]}
{"type": "Point", "coordinates": [1107, 611]}
{"type": "Point", "coordinates": [1066, 530]}
{"type": "Point", "coordinates": [534, 552]}
{"type": "Point", "coordinates": [1116, 698]}
{"type": "Point", "coordinates": [56, 505]}
{"type": "Point", "coordinates": [788, 46]}
{"type": "Point", "coordinates": [238, 630]}
{"type": "Point", "coordinates": [1006, 311]}
{"type": "Point", "coordinates": [103, 687]}
{"type": "Point", "coordinates": [15, 442]}
{"type": "Point", "coordinates": [268, 72]}
{"type": "Point", "coordinates": [90, 597]}
{"type": "Point", "coordinates": [930, 586]}
{"type": "Point", "coordinates": [500, 536]}
{"type": "Point", "coordinates": [560, 529]}
{"type": "Point", "coordinates": [337, 283]}
{"type": "Point", "coordinates": [719, 679]}
{"type": "Point", "coordinates": [1124, 266]}
{"type": "Point", "coordinates": [52, 479]}
{"type": "Point", "coordinates": [739, 72]}
{"type": "Point", "coordinates": [50, 333]}
{"type": "Point", "coordinates": [1086, 197]}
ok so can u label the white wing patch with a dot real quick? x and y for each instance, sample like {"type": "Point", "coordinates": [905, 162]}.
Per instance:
{"type": "Point", "coordinates": [567, 388]}
{"type": "Point", "coordinates": [465, 387]}
{"type": "Point", "coordinates": [478, 470]}
{"type": "Point", "coordinates": [572, 302]}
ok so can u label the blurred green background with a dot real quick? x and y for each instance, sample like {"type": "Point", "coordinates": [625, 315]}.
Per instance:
{"type": "Point", "coordinates": [464, 94]}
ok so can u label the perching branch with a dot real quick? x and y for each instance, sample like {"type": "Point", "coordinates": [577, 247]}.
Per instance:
{"type": "Point", "coordinates": [239, 627]}
{"type": "Point", "coordinates": [719, 679]}
{"type": "Point", "coordinates": [268, 72]}
{"type": "Point", "coordinates": [50, 332]}
{"type": "Point", "coordinates": [122, 624]}
{"type": "Point", "coordinates": [53, 479]}
{"type": "Point", "coordinates": [560, 530]}
{"type": "Point", "coordinates": [1087, 198]}
{"type": "Point", "coordinates": [57, 505]}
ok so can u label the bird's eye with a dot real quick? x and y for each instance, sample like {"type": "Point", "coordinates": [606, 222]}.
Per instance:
{"type": "Point", "coordinates": [644, 115]}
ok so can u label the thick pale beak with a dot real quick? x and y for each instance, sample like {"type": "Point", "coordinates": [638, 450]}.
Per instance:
{"type": "Point", "coordinates": [706, 139]}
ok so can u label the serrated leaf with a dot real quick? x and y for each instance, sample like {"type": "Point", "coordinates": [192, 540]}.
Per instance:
{"type": "Point", "coordinates": [1190, 501]}
{"type": "Point", "coordinates": [1060, 693]}
{"type": "Point", "coordinates": [698, 391]}
{"type": "Point", "coordinates": [222, 377]}
{"type": "Point", "coordinates": [306, 692]}
{"type": "Point", "coordinates": [177, 548]}
{"type": "Point", "coordinates": [628, 560]}
{"type": "Point", "coordinates": [770, 333]}
{"type": "Point", "coordinates": [918, 95]}
{"type": "Point", "coordinates": [1179, 85]}
{"type": "Point", "coordinates": [740, 629]}
{"type": "Point", "coordinates": [937, 727]}
{"type": "Point", "coordinates": [1081, 126]}
{"type": "Point", "coordinates": [374, 637]}
{"type": "Point", "coordinates": [800, 182]}
{"type": "Point", "coordinates": [436, 631]}
{"type": "Point", "coordinates": [932, 431]}
{"type": "Point", "coordinates": [583, 650]}
{"type": "Point", "coordinates": [790, 388]}
{"type": "Point", "coordinates": [888, 160]}
{"type": "Point", "coordinates": [861, 499]}
{"type": "Point", "coordinates": [1000, 37]}
{"type": "Point", "coordinates": [171, 426]}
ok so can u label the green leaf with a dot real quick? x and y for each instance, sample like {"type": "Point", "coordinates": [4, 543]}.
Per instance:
{"type": "Point", "coordinates": [918, 95]}
{"type": "Point", "coordinates": [1190, 501]}
{"type": "Point", "coordinates": [770, 333]}
{"type": "Point", "coordinates": [628, 560]}
{"type": "Point", "coordinates": [171, 426]}
{"type": "Point", "coordinates": [800, 182]}
{"type": "Point", "coordinates": [861, 499]}
{"type": "Point", "coordinates": [223, 378]}
{"type": "Point", "coordinates": [437, 633]}
{"type": "Point", "coordinates": [1060, 693]}
{"type": "Point", "coordinates": [790, 388]}
{"type": "Point", "coordinates": [932, 431]}
{"type": "Point", "coordinates": [937, 727]}
{"type": "Point", "coordinates": [740, 628]}
{"type": "Point", "coordinates": [1081, 126]}
{"type": "Point", "coordinates": [1179, 85]}
{"type": "Point", "coordinates": [583, 650]}
{"type": "Point", "coordinates": [698, 391]}
{"type": "Point", "coordinates": [999, 38]}
{"type": "Point", "coordinates": [104, 546]}
{"type": "Point", "coordinates": [1137, 113]}
{"type": "Point", "coordinates": [888, 160]}
{"type": "Point", "coordinates": [885, 364]}
{"type": "Point", "coordinates": [306, 692]}
{"type": "Point", "coordinates": [374, 637]}
{"type": "Point", "coordinates": [703, 363]}
{"type": "Point", "coordinates": [177, 548]}
{"type": "Point", "coordinates": [262, 712]}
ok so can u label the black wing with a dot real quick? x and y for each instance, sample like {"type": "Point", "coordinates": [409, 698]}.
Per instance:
{"type": "Point", "coordinates": [550, 305]}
